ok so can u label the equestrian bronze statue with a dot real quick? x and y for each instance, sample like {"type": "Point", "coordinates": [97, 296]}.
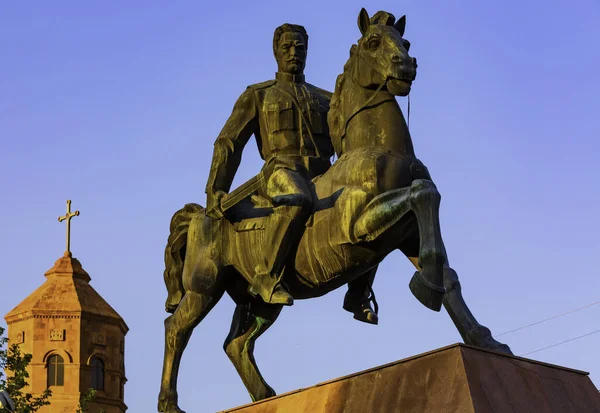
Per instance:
{"type": "Point", "coordinates": [289, 119]}
{"type": "Point", "coordinates": [334, 224]}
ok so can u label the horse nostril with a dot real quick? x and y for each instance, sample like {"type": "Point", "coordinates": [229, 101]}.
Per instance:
{"type": "Point", "coordinates": [415, 62]}
{"type": "Point", "coordinates": [397, 59]}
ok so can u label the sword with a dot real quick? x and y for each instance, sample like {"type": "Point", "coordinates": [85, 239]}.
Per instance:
{"type": "Point", "coordinates": [248, 187]}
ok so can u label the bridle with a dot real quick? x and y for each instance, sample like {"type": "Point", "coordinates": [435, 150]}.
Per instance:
{"type": "Point", "coordinates": [364, 105]}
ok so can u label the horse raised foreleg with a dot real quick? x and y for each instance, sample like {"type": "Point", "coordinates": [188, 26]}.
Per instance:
{"type": "Point", "coordinates": [381, 213]}
{"type": "Point", "coordinates": [250, 320]}
{"type": "Point", "coordinates": [386, 210]}
{"type": "Point", "coordinates": [178, 330]}
{"type": "Point", "coordinates": [427, 284]}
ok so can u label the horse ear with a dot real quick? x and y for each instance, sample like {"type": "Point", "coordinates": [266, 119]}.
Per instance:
{"type": "Point", "coordinates": [406, 44]}
{"type": "Point", "coordinates": [401, 25]}
{"type": "Point", "coordinates": [363, 21]}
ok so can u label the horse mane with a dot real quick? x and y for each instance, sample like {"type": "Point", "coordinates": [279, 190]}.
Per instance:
{"type": "Point", "coordinates": [335, 118]}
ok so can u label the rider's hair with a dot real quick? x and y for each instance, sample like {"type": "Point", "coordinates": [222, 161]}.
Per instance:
{"type": "Point", "coordinates": [293, 28]}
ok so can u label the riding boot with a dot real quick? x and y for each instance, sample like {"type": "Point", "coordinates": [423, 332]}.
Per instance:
{"type": "Point", "coordinates": [359, 296]}
{"type": "Point", "coordinates": [278, 243]}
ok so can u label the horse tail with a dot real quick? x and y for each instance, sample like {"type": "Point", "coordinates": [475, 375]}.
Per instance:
{"type": "Point", "coordinates": [175, 254]}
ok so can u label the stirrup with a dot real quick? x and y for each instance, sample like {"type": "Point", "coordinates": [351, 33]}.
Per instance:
{"type": "Point", "coordinates": [283, 298]}
{"type": "Point", "coordinates": [371, 298]}
{"type": "Point", "coordinates": [362, 310]}
{"type": "Point", "coordinates": [271, 297]}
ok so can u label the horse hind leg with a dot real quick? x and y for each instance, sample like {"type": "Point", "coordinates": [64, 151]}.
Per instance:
{"type": "Point", "coordinates": [178, 330]}
{"type": "Point", "coordinates": [470, 330]}
{"type": "Point", "coordinates": [250, 320]}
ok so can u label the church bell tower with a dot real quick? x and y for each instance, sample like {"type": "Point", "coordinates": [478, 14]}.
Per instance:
{"type": "Point", "coordinates": [76, 338]}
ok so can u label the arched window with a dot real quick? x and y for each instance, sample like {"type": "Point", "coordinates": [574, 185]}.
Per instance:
{"type": "Point", "coordinates": [97, 373]}
{"type": "Point", "coordinates": [56, 370]}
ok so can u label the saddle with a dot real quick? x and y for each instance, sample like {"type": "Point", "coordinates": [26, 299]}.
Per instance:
{"type": "Point", "coordinates": [250, 213]}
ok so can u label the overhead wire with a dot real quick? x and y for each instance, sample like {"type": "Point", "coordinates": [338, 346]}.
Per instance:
{"type": "Point", "coordinates": [553, 318]}
{"type": "Point", "coordinates": [562, 342]}
{"type": "Point", "coordinates": [548, 319]}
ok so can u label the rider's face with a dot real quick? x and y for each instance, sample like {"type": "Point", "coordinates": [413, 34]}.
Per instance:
{"type": "Point", "coordinates": [291, 53]}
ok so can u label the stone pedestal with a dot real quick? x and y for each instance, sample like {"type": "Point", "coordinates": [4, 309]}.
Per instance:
{"type": "Point", "coordinates": [454, 379]}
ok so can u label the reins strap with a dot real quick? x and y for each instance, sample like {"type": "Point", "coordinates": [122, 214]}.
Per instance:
{"type": "Point", "coordinates": [408, 125]}
{"type": "Point", "coordinates": [372, 298]}
{"type": "Point", "coordinates": [362, 107]}
{"type": "Point", "coordinates": [383, 82]}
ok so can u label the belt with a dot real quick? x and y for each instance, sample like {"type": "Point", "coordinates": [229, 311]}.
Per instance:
{"type": "Point", "coordinates": [293, 152]}
{"type": "Point", "coordinates": [307, 153]}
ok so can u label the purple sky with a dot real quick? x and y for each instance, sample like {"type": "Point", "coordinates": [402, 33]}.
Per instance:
{"type": "Point", "coordinates": [116, 106]}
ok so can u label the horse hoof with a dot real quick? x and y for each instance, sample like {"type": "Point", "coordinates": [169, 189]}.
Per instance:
{"type": "Point", "coordinates": [170, 409]}
{"type": "Point", "coordinates": [482, 337]}
{"type": "Point", "coordinates": [168, 404]}
{"type": "Point", "coordinates": [503, 348]}
{"type": "Point", "coordinates": [268, 392]}
{"type": "Point", "coordinates": [428, 294]}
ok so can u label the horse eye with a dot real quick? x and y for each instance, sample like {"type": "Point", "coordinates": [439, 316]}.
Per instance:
{"type": "Point", "coordinates": [373, 44]}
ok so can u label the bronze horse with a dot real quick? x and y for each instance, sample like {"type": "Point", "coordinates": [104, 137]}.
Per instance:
{"type": "Point", "coordinates": [376, 198]}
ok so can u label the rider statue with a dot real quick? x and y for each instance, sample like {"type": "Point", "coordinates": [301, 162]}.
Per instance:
{"type": "Point", "coordinates": [288, 118]}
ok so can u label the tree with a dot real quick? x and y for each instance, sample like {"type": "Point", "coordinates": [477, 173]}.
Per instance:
{"type": "Point", "coordinates": [84, 401]}
{"type": "Point", "coordinates": [13, 378]}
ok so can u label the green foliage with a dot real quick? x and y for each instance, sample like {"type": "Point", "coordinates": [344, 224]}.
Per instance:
{"type": "Point", "coordinates": [13, 378]}
{"type": "Point", "coordinates": [84, 401]}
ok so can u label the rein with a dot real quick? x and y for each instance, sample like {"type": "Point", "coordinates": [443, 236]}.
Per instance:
{"type": "Point", "coordinates": [364, 105]}
{"type": "Point", "coordinates": [378, 90]}
{"type": "Point", "coordinates": [408, 114]}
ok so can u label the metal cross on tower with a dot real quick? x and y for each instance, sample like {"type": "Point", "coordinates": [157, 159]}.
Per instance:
{"type": "Point", "coordinates": [68, 217]}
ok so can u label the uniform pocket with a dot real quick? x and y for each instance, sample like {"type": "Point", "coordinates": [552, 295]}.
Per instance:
{"type": "Point", "coordinates": [318, 120]}
{"type": "Point", "coordinates": [280, 116]}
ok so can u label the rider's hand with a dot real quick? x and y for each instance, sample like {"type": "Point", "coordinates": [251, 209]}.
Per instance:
{"type": "Point", "coordinates": [213, 204]}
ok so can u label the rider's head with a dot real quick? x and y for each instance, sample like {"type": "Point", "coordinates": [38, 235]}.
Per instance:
{"type": "Point", "coordinates": [290, 43]}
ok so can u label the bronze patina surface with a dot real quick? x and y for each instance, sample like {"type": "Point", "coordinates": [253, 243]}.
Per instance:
{"type": "Point", "coordinates": [303, 228]}
{"type": "Point", "coordinates": [288, 117]}
{"type": "Point", "coordinates": [453, 379]}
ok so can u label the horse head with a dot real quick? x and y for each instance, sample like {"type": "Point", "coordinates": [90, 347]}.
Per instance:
{"type": "Point", "coordinates": [382, 58]}
{"type": "Point", "coordinates": [378, 62]}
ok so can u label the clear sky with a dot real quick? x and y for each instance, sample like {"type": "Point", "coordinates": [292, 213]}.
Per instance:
{"type": "Point", "coordinates": [116, 105]}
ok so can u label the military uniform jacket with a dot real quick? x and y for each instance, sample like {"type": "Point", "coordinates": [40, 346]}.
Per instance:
{"type": "Point", "coordinates": [289, 120]}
